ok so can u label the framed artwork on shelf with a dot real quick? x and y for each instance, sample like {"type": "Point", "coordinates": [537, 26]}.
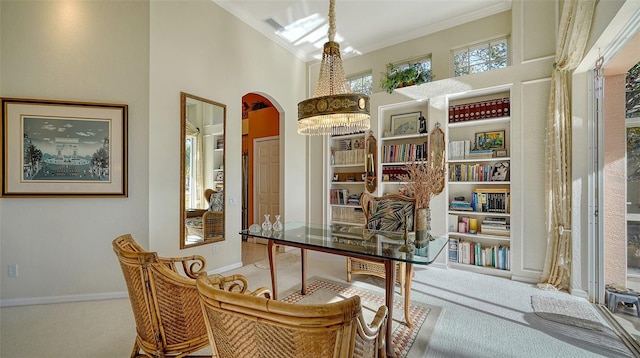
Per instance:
{"type": "Point", "coordinates": [500, 172]}
{"type": "Point", "coordinates": [407, 123]}
{"type": "Point", "coordinates": [57, 148]}
{"type": "Point", "coordinates": [490, 140]}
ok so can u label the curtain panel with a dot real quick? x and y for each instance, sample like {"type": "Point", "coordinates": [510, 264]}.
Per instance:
{"type": "Point", "coordinates": [575, 23]}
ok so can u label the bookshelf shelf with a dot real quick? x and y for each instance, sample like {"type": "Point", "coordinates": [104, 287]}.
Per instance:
{"type": "Point", "coordinates": [346, 184]}
{"type": "Point", "coordinates": [481, 269]}
{"type": "Point", "coordinates": [347, 223]}
{"type": "Point", "coordinates": [479, 236]}
{"type": "Point", "coordinates": [480, 122]}
{"type": "Point", "coordinates": [482, 184]}
{"type": "Point", "coordinates": [348, 165]}
{"type": "Point", "coordinates": [479, 160]}
{"type": "Point", "coordinates": [396, 151]}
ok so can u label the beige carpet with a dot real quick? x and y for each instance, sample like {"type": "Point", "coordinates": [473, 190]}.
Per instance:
{"type": "Point", "coordinates": [283, 260]}
{"type": "Point", "coordinates": [408, 342]}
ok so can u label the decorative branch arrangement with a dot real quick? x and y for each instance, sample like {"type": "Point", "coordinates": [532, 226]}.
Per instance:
{"type": "Point", "coordinates": [424, 180]}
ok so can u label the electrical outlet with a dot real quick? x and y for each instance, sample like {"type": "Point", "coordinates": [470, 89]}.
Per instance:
{"type": "Point", "coordinates": [215, 248]}
{"type": "Point", "coordinates": [13, 270]}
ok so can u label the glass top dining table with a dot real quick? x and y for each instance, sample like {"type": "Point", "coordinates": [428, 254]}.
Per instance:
{"type": "Point", "coordinates": [380, 246]}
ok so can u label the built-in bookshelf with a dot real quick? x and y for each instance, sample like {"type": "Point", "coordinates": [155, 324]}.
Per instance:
{"type": "Point", "coordinates": [478, 182]}
{"type": "Point", "coordinates": [218, 159]}
{"type": "Point", "coordinates": [347, 174]}
{"type": "Point", "coordinates": [403, 138]}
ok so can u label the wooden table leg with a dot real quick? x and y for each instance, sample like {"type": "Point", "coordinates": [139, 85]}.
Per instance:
{"type": "Point", "coordinates": [407, 294]}
{"type": "Point", "coordinates": [303, 256]}
{"type": "Point", "coordinates": [389, 287]}
{"type": "Point", "coordinates": [271, 252]}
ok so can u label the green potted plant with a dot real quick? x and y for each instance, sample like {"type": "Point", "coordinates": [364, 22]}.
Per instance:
{"type": "Point", "coordinates": [401, 76]}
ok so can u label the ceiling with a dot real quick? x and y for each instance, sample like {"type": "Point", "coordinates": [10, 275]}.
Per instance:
{"type": "Point", "coordinates": [362, 26]}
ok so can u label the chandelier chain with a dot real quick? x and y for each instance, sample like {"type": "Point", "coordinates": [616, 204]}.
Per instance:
{"type": "Point", "coordinates": [332, 20]}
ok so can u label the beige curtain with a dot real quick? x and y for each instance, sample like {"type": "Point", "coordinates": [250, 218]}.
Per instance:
{"type": "Point", "coordinates": [572, 37]}
{"type": "Point", "coordinates": [197, 192]}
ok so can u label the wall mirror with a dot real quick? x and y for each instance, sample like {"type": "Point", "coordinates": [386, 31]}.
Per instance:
{"type": "Point", "coordinates": [202, 143]}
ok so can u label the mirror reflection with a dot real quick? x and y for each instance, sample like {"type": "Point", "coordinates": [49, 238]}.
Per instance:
{"type": "Point", "coordinates": [202, 156]}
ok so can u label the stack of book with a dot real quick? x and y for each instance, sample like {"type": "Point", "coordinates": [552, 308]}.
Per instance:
{"type": "Point", "coordinates": [458, 205]}
{"type": "Point", "coordinates": [495, 226]}
{"type": "Point", "coordinates": [407, 152]}
{"type": "Point", "coordinates": [393, 172]}
{"type": "Point", "coordinates": [494, 200]}
{"type": "Point", "coordinates": [481, 154]}
{"type": "Point", "coordinates": [459, 149]}
{"type": "Point", "coordinates": [477, 254]}
{"type": "Point", "coordinates": [492, 108]}
{"type": "Point", "coordinates": [354, 199]}
{"type": "Point", "coordinates": [338, 196]}
{"type": "Point", "coordinates": [470, 172]}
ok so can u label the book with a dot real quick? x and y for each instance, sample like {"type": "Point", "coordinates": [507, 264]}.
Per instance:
{"type": "Point", "coordinates": [481, 154]}
{"type": "Point", "coordinates": [453, 223]}
{"type": "Point", "coordinates": [453, 249]}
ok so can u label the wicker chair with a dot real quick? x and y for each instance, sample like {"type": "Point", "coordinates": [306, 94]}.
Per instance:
{"type": "Point", "coordinates": [169, 321]}
{"type": "Point", "coordinates": [385, 213]}
{"type": "Point", "coordinates": [213, 220]}
{"type": "Point", "coordinates": [245, 325]}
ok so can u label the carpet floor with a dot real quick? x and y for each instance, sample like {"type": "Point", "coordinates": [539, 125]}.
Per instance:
{"type": "Point", "coordinates": [408, 342]}
{"type": "Point", "coordinates": [481, 316]}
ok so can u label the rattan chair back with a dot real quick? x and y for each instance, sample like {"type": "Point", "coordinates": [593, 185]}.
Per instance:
{"type": "Point", "coordinates": [386, 213]}
{"type": "Point", "coordinates": [245, 325]}
{"type": "Point", "coordinates": [164, 301]}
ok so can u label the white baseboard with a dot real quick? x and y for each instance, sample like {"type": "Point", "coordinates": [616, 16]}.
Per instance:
{"type": "Point", "coordinates": [62, 299]}
{"type": "Point", "coordinates": [28, 301]}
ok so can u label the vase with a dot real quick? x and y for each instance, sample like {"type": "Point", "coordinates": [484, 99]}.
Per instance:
{"type": "Point", "coordinates": [266, 225]}
{"type": "Point", "coordinates": [277, 225]}
{"type": "Point", "coordinates": [423, 231]}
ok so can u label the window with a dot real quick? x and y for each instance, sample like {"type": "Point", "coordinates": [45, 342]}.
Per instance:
{"type": "Point", "coordinates": [424, 62]}
{"type": "Point", "coordinates": [362, 83]}
{"type": "Point", "coordinates": [189, 171]}
{"type": "Point", "coordinates": [633, 92]}
{"type": "Point", "coordinates": [632, 98]}
{"type": "Point", "coordinates": [481, 57]}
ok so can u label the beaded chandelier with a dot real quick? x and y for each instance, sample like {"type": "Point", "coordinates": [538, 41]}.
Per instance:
{"type": "Point", "coordinates": [333, 109]}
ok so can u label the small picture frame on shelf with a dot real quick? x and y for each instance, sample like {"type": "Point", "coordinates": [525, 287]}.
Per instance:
{"type": "Point", "coordinates": [406, 123]}
{"type": "Point", "coordinates": [490, 140]}
{"type": "Point", "coordinates": [500, 171]}
{"type": "Point", "coordinates": [501, 153]}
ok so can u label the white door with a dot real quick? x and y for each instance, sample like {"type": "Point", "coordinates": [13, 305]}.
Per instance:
{"type": "Point", "coordinates": [266, 179]}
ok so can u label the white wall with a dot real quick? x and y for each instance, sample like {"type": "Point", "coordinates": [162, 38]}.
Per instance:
{"type": "Point", "coordinates": [199, 48]}
{"type": "Point", "coordinates": [142, 54]}
{"type": "Point", "coordinates": [76, 51]}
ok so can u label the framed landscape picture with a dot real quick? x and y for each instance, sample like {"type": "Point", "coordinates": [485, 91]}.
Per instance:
{"type": "Point", "coordinates": [63, 149]}
{"type": "Point", "coordinates": [407, 123]}
{"type": "Point", "coordinates": [490, 140]}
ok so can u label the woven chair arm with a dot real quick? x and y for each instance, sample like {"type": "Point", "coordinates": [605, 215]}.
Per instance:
{"type": "Point", "coordinates": [262, 291]}
{"type": "Point", "coordinates": [377, 325]}
{"type": "Point", "coordinates": [192, 265]}
{"type": "Point", "coordinates": [236, 283]}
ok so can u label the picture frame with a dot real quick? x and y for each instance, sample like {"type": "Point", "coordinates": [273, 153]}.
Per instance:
{"type": "Point", "coordinates": [406, 123]}
{"type": "Point", "coordinates": [490, 140]}
{"type": "Point", "coordinates": [500, 171]}
{"type": "Point", "coordinates": [54, 148]}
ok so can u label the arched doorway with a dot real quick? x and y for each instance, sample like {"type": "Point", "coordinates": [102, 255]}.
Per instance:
{"type": "Point", "coordinates": [261, 178]}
